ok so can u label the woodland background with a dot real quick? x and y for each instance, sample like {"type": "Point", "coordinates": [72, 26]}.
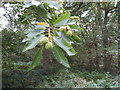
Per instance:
{"type": "Point", "coordinates": [96, 64]}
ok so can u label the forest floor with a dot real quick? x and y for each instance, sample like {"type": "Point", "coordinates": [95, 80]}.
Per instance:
{"type": "Point", "coordinates": [63, 78]}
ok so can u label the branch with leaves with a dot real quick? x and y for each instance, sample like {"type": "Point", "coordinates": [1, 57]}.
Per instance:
{"type": "Point", "coordinates": [55, 31]}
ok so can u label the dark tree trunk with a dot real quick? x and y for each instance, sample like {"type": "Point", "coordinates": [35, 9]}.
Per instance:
{"type": "Point", "coordinates": [49, 62]}
{"type": "Point", "coordinates": [46, 59]}
{"type": "Point", "coordinates": [118, 13]}
{"type": "Point", "coordinates": [105, 42]}
{"type": "Point", "coordinates": [97, 28]}
{"type": "Point", "coordinates": [96, 59]}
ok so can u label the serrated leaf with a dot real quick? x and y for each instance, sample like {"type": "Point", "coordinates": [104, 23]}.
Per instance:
{"type": "Point", "coordinates": [59, 55]}
{"type": "Point", "coordinates": [26, 39]}
{"type": "Point", "coordinates": [32, 35]}
{"type": "Point", "coordinates": [75, 38]}
{"type": "Point", "coordinates": [64, 45]}
{"type": "Point", "coordinates": [64, 37]}
{"type": "Point", "coordinates": [63, 17]}
{"type": "Point", "coordinates": [35, 28]}
{"type": "Point", "coordinates": [71, 23]}
{"type": "Point", "coordinates": [62, 23]}
{"type": "Point", "coordinates": [76, 28]}
{"type": "Point", "coordinates": [33, 42]}
{"type": "Point", "coordinates": [41, 11]}
{"type": "Point", "coordinates": [36, 59]}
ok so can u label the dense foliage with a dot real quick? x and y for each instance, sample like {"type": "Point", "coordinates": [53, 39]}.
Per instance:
{"type": "Point", "coordinates": [63, 79]}
{"type": "Point", "coordinates": [52, 28]}
{"type": "Point", "coordinates": [43, 35]}
{"type": "Point", "coordinates": [99, 47]}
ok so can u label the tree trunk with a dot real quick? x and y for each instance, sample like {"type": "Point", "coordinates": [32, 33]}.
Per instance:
{"type": "Point", "coordinates": [118, 13]}
{"type": "Point", "coordinates": [97, 28]}
{"type": "Point", "coordinates": [46, 59]}
{"type": "Point", "coordinates": [105, 41]}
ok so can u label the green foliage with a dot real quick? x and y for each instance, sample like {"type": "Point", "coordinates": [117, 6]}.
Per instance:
{"type": "Point", "coordinates": [68, 79]}
{"type": "Point", "coordinates": [98, 47]}
{"type": "Point", "coordinates": [50, 29]}
{"type": "Point", "coordinates": [62, 20]}
{"type": "Point", "coordinates": [12, 48]}
{"type": "Point", "coordinates": [64, 45]}
{"type": "Point", "coordinates": [64, 78]}
{"type": "Point", "coordinates": [33, 42]}
{"type": "Point", "coordinates": [94, 38]}
{"type": "Point", "coordinates": [59, 55]}
{"type": "Point", "coordinates": [37, 58]}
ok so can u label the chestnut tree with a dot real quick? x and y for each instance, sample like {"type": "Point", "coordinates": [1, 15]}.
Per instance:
{"type": "Point", "coordinates": [52, 28]}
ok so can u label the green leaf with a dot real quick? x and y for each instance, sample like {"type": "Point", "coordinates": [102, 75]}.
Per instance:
{"type": "Point", "coordinates": [29, 30]}
{"type": "Point", "coordinates": [61, 42]}
{"type": "Point", "coordinates": [75, 38]}
{"type": "Point", "coordinates": [59, 55]}
{"type": "Point", "coordinates": [37, 59]}
{"type": "Point", "coordinates": [35, 32]}
{"type": "Point", "coordinates": [35, 28]}
{"type": "Point", "coordinates": [76, 28]}
{"type": "Point", "coordinates": [32, 43]}
{"type": "Point", "coordinates": [66, 38]}
{"type": "Point", "coordinates": [26, 39]}
{"type": "Point", "coordinates": [80, 29]}
{"type": "Point", "coordinates": [71, 23]}
{"type": "Point", "coordinates": [32, 35]}
{"type": "Point", "coordinates": [60, 19]}
{"type": "Point", "coordinates": [62, 23]}
{"type": "Point", "coordinates": [64, 45]}
{"type": "Point", "coordinates": [26, 18]}
{"type": "Point", "coordinates": [41, 12]}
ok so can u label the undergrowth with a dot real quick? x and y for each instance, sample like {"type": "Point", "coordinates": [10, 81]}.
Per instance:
{"type": "Point", "coordinates": [64, 78]}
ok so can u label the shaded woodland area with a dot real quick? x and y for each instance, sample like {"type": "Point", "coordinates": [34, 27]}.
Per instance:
{"type": "Point", "coordinates": [101, 27]}
{"type": "Point", "coordinates": [96, 64]}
